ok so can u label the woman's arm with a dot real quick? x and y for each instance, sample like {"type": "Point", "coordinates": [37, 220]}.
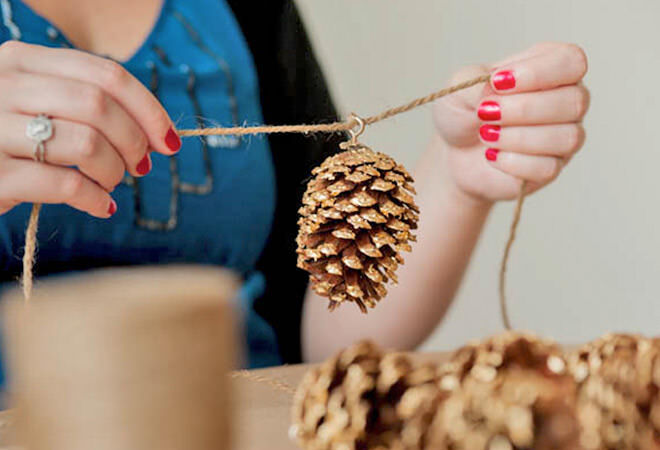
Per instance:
{"type": "Point", "coordinates": [524, 126]}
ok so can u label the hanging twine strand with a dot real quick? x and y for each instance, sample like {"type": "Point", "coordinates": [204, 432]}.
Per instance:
{"type": "Point", "coordinates": [30, 251]}
{"type": "Point", "coordinates": [505, 257]}
{"type": "Point", "coordinates": [335, 127]}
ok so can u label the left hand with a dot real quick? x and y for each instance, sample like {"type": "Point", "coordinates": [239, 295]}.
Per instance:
{"type": "Point", "coordinates": [524, 125]}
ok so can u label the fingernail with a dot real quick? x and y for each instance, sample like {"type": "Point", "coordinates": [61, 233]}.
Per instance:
{"type": "Point", "coordinates": [144, 166]}
{"type": "Point", "coordinates": [172, 140]}
{"type": "Point", "coordinates": [490, 133]}
{"type": "Point", "coordinates": [490, 110]}
{"type": "Point", "coordinates": [504, 80]}
{"type": "Point", "coordinates": [491, 154]}
{"type": "Point", "coordinates": [112, 209]}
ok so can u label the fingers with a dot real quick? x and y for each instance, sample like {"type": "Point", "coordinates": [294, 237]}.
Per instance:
{"type": "Point", "coordinates": [72, 144]}
{"type": "Point", "coordinates": [30, 181]}
{"type": "Point", "coordinates": [83, 103]}
{"type": "Point", "coordinates": [532, 114]}
{"type": "Point", "coordinates": [537, 169]}
{"type": "Point", "coordinates": [550, 140]}
{"type": "Point", "coordinates": [562, 105]}
{"type": "Point", "coordinates": [107, 75]}
{"type": "Point", "coordinates": [541, 68]}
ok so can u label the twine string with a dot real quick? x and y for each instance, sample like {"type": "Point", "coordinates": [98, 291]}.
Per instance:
{"type": "Point", "coordinates": [334, 127]}
{"type": "Point", "coordinates": [275, 383]}
{"type": "Point", "coordinates": [30, 251]}
{"type": "Point", "coordinates": [504, 311]}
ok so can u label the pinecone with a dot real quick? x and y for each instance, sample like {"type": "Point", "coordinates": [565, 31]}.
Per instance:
{"type": "Point", "coordinates": [364, 399]}
{"type": "Point", "coordinates": [511, 391]}
{"type": "Point", "coordinates": [618, 378]}
{"type": "Point", "coordinates": [357, 216]}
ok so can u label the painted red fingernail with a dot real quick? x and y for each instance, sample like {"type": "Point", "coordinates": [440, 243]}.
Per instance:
{"type": "Point", "coordinates": [172, 140]}
{"type": "Point", "coordinates": [491, 154]}
{"type": "Point", "coordinates": [490, 133]}
{"type": "Point", "coordinates": [490, 110]}
{"type": "Point", "coordinates": [144, 166]}
{"type": "Point", "coordinates": [504, 80]}
{"type": "Point", "coordinates": [112, 209]}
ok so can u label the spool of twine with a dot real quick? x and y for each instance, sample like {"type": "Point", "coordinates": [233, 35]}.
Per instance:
{"type": "Point", "coordinates": [128, 359]}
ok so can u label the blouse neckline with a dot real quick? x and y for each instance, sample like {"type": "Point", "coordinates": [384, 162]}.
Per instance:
{"type": "Point", "coordinates": [49, 28]}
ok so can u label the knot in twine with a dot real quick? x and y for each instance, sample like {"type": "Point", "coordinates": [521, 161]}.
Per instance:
{"type": "Point", "coordinates": [345, 126]}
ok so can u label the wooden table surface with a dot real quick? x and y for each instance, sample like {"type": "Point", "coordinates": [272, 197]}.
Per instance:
{"type": "Point", "coordinates": [263, 411]}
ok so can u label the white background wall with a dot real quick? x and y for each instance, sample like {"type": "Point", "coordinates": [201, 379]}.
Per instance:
{"type": "Point", "coordinates": [588, 255]}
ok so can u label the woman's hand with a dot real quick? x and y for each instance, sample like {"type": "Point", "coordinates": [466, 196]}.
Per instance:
{"type": "Point", "coordinates": [105, 123]}
{"type": "Point", "coordinates": [525, 125]}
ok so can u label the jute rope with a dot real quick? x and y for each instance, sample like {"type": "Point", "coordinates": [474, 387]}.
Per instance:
{"type": "Point", "coordinates": [333, 127]}
{"type": "Point", "coordinates": [348, 125]}
{"type": "Point", "coordinates": [275, 383]}
{"type": "Point", "coordinates": [504, 312]}
{"type": "Point", "coordinates": [30, 250]}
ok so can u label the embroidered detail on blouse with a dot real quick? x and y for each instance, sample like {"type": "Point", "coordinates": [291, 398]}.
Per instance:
{"type": "Point", "coordinates": [189, 188]}
{"type": "Point", "coordinates": [197, 40]}
{"type": "Point", "coordinates": [8, 20]}
{"type": "Point", "coordinates": [172, 221]}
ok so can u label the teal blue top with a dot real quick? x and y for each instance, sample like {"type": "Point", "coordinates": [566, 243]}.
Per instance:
{"type": "Point", "coordinates": [212, 203]}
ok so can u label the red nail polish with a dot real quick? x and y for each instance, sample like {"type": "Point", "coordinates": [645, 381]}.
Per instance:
{"type": "Point", "coordinates": [172, 140]}
{"type": "Point", "coordinates": [112, 209]}
{"type": "Point", "coordinates": [490, 133]}
{"type": "Point", "coordinates": [504, 80]}
{"type": "Point", "coordinates": [490, 110]}
{"type": "Point", "coordinates": [144, 166]}
{"type": "Point", "coordinates": [491, 154]}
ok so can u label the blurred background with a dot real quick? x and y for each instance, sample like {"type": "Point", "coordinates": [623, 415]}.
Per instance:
{"type": "Point", "coordinates": [587, 259]}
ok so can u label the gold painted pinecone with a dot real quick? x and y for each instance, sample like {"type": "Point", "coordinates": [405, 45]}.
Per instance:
{"type": "Point", "coordinates": [356, 218]}
{"type": "Point", "coordinates": [364, 399]}
{"type": "Point", "coordinates": [511, 391]}
{"type": "Point", "coordinates": [618, 380]}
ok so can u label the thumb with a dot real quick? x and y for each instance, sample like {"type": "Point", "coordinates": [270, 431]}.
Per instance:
{"type": "Point", "coordinates": [455, 115]}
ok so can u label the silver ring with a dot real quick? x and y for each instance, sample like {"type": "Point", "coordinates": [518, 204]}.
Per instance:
{"type": "Point", "coordinates": [39, 130]}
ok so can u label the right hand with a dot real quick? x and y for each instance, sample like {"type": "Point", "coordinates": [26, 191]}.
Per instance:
{"type": "Point", "coordinates": [105, 124]}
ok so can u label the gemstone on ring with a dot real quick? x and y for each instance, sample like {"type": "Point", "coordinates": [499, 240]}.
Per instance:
{"type": "Point", "coordinates": [39, 129]}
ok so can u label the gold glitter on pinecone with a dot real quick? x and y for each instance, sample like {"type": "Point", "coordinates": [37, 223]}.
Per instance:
{"type": "Point", "coordinates": [357, 216]}
{"type": "Point", "coordinates": [618, 378]}
{"type": "Point", "coordinates": [511, 391]}
{"type": "Point", "coordinates": [362, 399]}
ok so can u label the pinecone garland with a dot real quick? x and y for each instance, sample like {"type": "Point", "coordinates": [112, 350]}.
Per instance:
{"type": "Point", "coordinates": [364, 399]}
{"type": "Point", "coordinates": [357, 215]}
{"type": "Point", "coordinates": [511, 391]}
{"type": "Point", "coordinates": [618, 378]}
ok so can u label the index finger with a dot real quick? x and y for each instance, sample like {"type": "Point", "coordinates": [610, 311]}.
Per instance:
{"type": "Point", "coordinates": [110, 76]}
{"type": "Point", "coordinates": [559, 65]}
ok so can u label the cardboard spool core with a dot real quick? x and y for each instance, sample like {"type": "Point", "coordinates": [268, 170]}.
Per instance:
{"type": "Point", "coordinates": [123, 358]}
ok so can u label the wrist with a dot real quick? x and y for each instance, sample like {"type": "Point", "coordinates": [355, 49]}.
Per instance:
{"type": "Point", "coordinates": [459, 200]}
{"type": "Point", "coordinates": [465, 201]}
